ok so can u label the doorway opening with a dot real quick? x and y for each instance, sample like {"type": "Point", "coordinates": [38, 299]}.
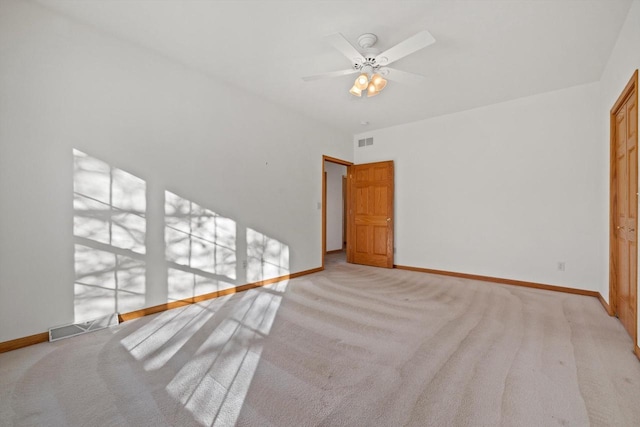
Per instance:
{"type": "Point", "coordinates": [334, 205]}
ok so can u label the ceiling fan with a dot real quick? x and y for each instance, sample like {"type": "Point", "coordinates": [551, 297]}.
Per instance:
{"type": "Point", "coordinates": [373, 64]}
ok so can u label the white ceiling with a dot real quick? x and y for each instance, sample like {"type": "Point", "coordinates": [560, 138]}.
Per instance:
{"type": "Point", "coordinates": [487, 51]}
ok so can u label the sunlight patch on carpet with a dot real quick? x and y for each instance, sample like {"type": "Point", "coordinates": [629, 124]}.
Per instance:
{"type": "Point", "coordinates": [212, 386]}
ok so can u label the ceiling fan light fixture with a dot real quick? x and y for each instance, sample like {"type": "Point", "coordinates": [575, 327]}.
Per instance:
{"type": "Point", "coordinates": [372, 90]}
{"type": "Point", "coordinates": [362, 81]}
{"type": "Point", "coordinates": [371, 65]}
{"type": "Point", "coordinates": [378, 81]}
{"type": "Point", "coordinates": [355, 91]}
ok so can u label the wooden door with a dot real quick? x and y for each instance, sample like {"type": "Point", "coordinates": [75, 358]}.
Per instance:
{"type": "Point", "coordinates": [344, 212]}
{"type": "Point", "coordinates": [370, 216]}
{"type": "Point", "coordinates": [625, 208]}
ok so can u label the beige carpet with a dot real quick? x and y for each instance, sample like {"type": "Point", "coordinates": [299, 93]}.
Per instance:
{"type": "Point", "coordinates": [349, 346]}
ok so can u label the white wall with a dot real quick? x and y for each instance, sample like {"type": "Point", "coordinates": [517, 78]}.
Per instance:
{"type": "Point", "coordinates": [335, 209]}
{"type": "Point", "coordinates": [624, 60]}
{"type": "Point", "coordinates": [508, 190]}
{"type": "Point", "coordinates": [65, 86]}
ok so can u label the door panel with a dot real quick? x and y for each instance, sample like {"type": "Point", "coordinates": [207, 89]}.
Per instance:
{"type": "Point", "coordinates": [370, 216]}
{"type": "Point", "coordinates": [632, 212]}
{"type": "Point", "coordinates": [344, 212]}
{"type": "Point", "coordinates": [362, 200]}
{"type": "Point", "coordinates": [379, 203]}
{"type": "Point", "coordinates": [625, 204]}
{"type": "Point", "coordinates": [380, 240]}
{"type": "Point", "coordinates": [623, 281]}
{"type": "Point", "coordinates": [362, 239]}
{"type": "Point", "coordinates": [632, 120]}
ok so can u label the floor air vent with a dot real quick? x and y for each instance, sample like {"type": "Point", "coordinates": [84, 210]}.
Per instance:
{"type": "Point", "coordinates": [74, 329]}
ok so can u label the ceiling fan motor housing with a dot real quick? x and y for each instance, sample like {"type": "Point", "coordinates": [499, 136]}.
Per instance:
{"type": "Point", "coordinates": [367, 40]}
{"type": "Point", "coordinates": [369, 53]}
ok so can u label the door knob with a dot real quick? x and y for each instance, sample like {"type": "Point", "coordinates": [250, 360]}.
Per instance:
{"type": "Point", "coordinates": [388, 219]}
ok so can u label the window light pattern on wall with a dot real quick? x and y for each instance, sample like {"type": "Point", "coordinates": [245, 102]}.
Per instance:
{"type": "Point", "coordinates": [266, 257]}
{"type": "Point", "coordinates": [200, 249]}
{"type": "Point", "coordinates": [109, 228]}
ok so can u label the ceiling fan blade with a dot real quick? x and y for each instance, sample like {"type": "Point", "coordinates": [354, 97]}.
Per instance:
{"type": "Point", "coordinates": [330, 74]}
{"type": "Point", "coordinates": [338, 41]}
{"type": "Point", "coordinates": [407, 47]}
{"type": "Point", "coordinates": [401, 76]}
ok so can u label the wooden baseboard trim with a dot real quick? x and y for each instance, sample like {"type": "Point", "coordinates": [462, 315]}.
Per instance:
{"type": "Point", "coordinates": [636, 351]}
{"type": "Point", "coordinates": [181, 303]}
{"type": "Point", "coordinates": [502, 281]}
{"type": "Point", "coordinates": [335, 251]}
{"type": "Point", "coordinates": [23, 342]}
{"type": "Point", "coordinates": [606, 306]}
{"type": "Point", "coordinates": [44, 337]}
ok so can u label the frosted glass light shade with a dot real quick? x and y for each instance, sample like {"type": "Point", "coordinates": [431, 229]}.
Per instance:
{"type": "Point", "coordinates": [362, 81]}
{"type": "Point", "coordinates": [378, 81]}
{"type": "Point", "coordinates": [355, 91]}
{"type": "Point", "coordinates": [371, 90]}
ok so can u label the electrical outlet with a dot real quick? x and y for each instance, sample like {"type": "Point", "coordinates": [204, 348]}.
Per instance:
{"type": "Point", "coordinates": [561, 266]}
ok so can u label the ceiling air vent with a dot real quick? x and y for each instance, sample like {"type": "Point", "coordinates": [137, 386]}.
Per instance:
{"type": "Point", "coordinates": [365, 141]}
